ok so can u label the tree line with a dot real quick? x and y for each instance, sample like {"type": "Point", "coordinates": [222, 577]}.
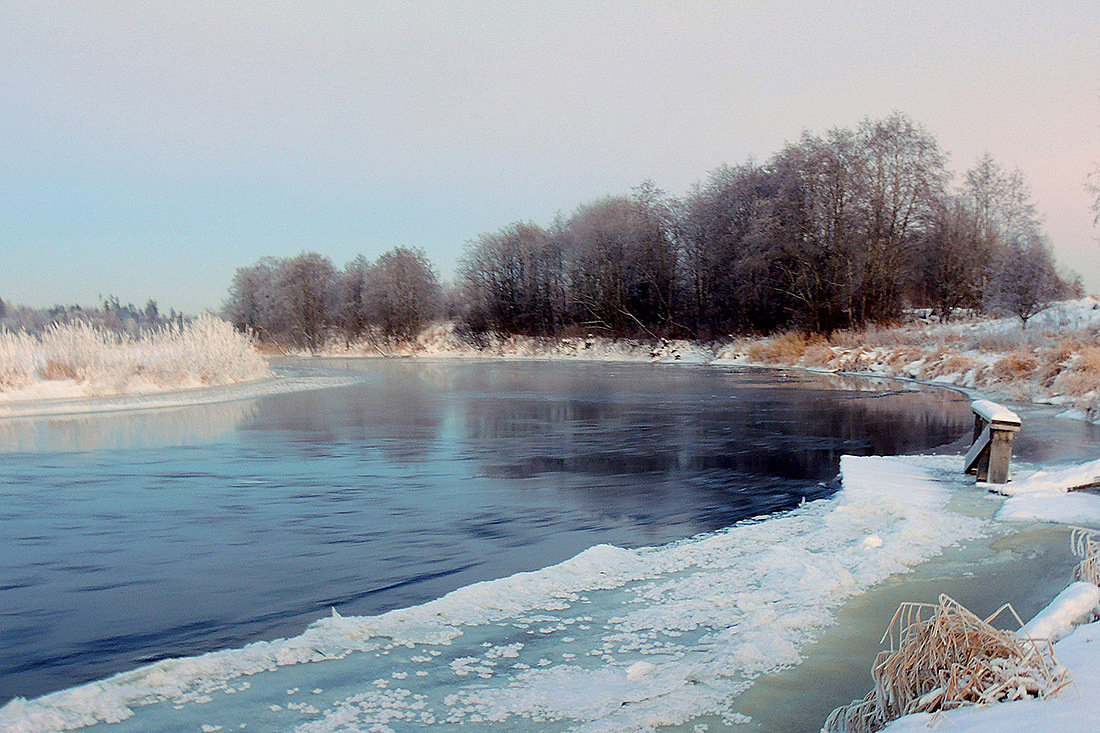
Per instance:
{"type": "Point", "coordinates": [833, 231]}
{"type": "Point", "coordinates": [109, 315]}
{"type": "Point", "coordinates": [303, 301]}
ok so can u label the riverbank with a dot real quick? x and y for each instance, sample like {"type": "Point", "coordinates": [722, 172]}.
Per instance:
{"type": "Point", "coordinates": [1054, 360]}
{"type": "Point", "coordinates": [612, 639]}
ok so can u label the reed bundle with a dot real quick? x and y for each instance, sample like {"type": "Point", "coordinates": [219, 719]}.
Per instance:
{"type": "Point", "coordinates": [941, 656]}
{"type": "Point", "coordinates": [1085, 544]}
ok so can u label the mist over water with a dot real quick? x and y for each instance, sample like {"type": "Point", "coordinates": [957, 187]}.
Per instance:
{"type": "Point", "coordinates": [132, 537]}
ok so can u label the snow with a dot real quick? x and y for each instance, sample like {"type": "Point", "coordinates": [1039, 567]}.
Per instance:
{"type": "Point", "coordinates": [1073, 606]}
{"type": "Point", "coordinates": [1041, 495]}
{"type": "Point", "coordinates": [1055, 359]}
{"type": "Point", "coordinates": [617, 639]}
{"type": "Point", "coordinates": [1054, 479]}
{"type": "Point", "coordinates": [610, 640]}
{"type": "Point", "coordinates": [83, 405]}
{"type": "Point", "coordinates": [994, 412]}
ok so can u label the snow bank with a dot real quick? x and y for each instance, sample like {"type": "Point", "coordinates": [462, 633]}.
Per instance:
{"type": "Point", "coordinates": [610, 640]}
{"type": "Point", "coordinates": [1041, 495]}
{"type": "Point", "coordinates": [1070, 608]}
{"type": "Point", "coordinates": [441, 340]}
{"type": "Point", "coordinates": [1056, 479]}
{"type": "Point", "coordinates": [1055, 360]}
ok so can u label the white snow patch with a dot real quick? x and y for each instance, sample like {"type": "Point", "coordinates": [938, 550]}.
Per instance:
{"type": "Point", "coordinates": [639, 671]}
{"type": "Point", "coordinates": [1042, 495]}
{"type": "Point", "coordinates": [1070, 608]}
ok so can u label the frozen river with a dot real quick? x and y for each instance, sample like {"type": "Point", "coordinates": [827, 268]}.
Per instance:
{"type": "Point", "coordinates": [131, 537]}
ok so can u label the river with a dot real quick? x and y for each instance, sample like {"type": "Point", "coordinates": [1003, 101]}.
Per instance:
{"type": "Point", "coordinates": [135, 536]}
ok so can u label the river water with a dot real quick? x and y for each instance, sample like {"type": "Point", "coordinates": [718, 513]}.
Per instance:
{"type": "Point", "coordinates": [136, 536]}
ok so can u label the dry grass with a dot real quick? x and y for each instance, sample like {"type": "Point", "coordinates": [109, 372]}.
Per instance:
{"type": "Point", "coordinates": [1085, 544]}
{"type": "Point", "coordinates": [54, 370]}
{"type": "Point", "coordinates": [958, 364]}
{"type": "Point", "coordinates": [904, 355]}
{"type": "Point", "coordinates": [941, 657]}
{"type": "Point", "coordinates": [1017, 365]}
{"type": "Point", "coordinates": [1081, 374]}
{"type": "Point", "coordinates": [785, 348]}
{"type": "Point", "coordinates": [819, 354]}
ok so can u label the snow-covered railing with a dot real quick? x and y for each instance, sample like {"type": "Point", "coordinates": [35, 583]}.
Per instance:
{"type": "Point", "coordinates": [991, 452]}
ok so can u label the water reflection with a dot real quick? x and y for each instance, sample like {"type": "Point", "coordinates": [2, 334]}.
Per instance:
{"type": "Point", "coordinates": [159, 428]}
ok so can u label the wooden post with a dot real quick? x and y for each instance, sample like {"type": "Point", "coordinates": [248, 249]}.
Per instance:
{"type": "Point", "coordinates": [991, 453]}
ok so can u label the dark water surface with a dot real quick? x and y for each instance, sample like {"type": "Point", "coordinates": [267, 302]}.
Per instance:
{"type": "Point", "coordinates": [130, 537]}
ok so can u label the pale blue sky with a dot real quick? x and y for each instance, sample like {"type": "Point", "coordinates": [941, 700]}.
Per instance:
{"type": "Point", "coordinates": [148, 149]}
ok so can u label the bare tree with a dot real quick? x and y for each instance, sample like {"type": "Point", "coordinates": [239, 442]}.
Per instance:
{"type": "Point", "coordinates": [904, 173]}
{"type": "Point", "coordinates": [250, 305]}
{"type": "Point", "coordinates": [1026, 281]}
{"type": "Point", "coordinates": [353, 304]}
{"type": "Point", "coordinates": [956, 261]}
{"type": "Point", "coordinates": [403, 293]}
{"type": "Point", "coordinates": [727, 268]}
{"type": "Point", "coordinates": [513, 280]}
{"type": "Point", "coordinates": [305, 299]}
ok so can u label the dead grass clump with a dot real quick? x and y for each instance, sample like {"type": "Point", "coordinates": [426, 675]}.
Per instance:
{"type": "Point", "coordinates": [942, 657]}
{"type": "Point", "coordinates": [957, 364]}
{"type": "Point", "coordinates": [819, 354]}
{"type": "Point", "coordinates": [1017, 365]}
{"type": "Point", "coordinates": [903, 355]}
{"type": "Point", "coordinates": [1081, 375]}
{"type": "Point", "coordinates": [854, 339]}
{"type": "Point", "coordinates": [55, 370]}
{"type": "Point", "coordinates": [1054, 361]}
{"type": "Point", "coordinates": [784, 348]}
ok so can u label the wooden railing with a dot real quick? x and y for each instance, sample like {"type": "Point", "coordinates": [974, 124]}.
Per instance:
{"type": "Point", "coordinates": [991, 452]}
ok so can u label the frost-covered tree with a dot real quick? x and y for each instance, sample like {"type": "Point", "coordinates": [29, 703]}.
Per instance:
{"type": "Point", "coordinates": [251, 305]}
{"type": "Point", "coordinates": [513, 281]}
{"type": "Point", "coordinates": [353, 299]}
{"type": "Point", "coordinates": [1025, 280]}
{"type": "Point", "coordinates": [403, 293]}
{"type": "Point", "coordinates": [956, 262]}
{"type": "Point", "coordinates": [305, 297]}
{"type": "Point", "coordinates": [903, 174]}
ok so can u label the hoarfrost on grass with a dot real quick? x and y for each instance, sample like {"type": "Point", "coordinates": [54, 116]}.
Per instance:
{"type": "Point", "coordinates": [79, 360]}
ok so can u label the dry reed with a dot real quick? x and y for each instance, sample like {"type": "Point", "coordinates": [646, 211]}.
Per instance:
{"type": "Point", "coordinates": [784, 348]}
{"type": "Point", "coordinates": [1085, 544]}
{"type": "Point", "coordinates": [941, 657]}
